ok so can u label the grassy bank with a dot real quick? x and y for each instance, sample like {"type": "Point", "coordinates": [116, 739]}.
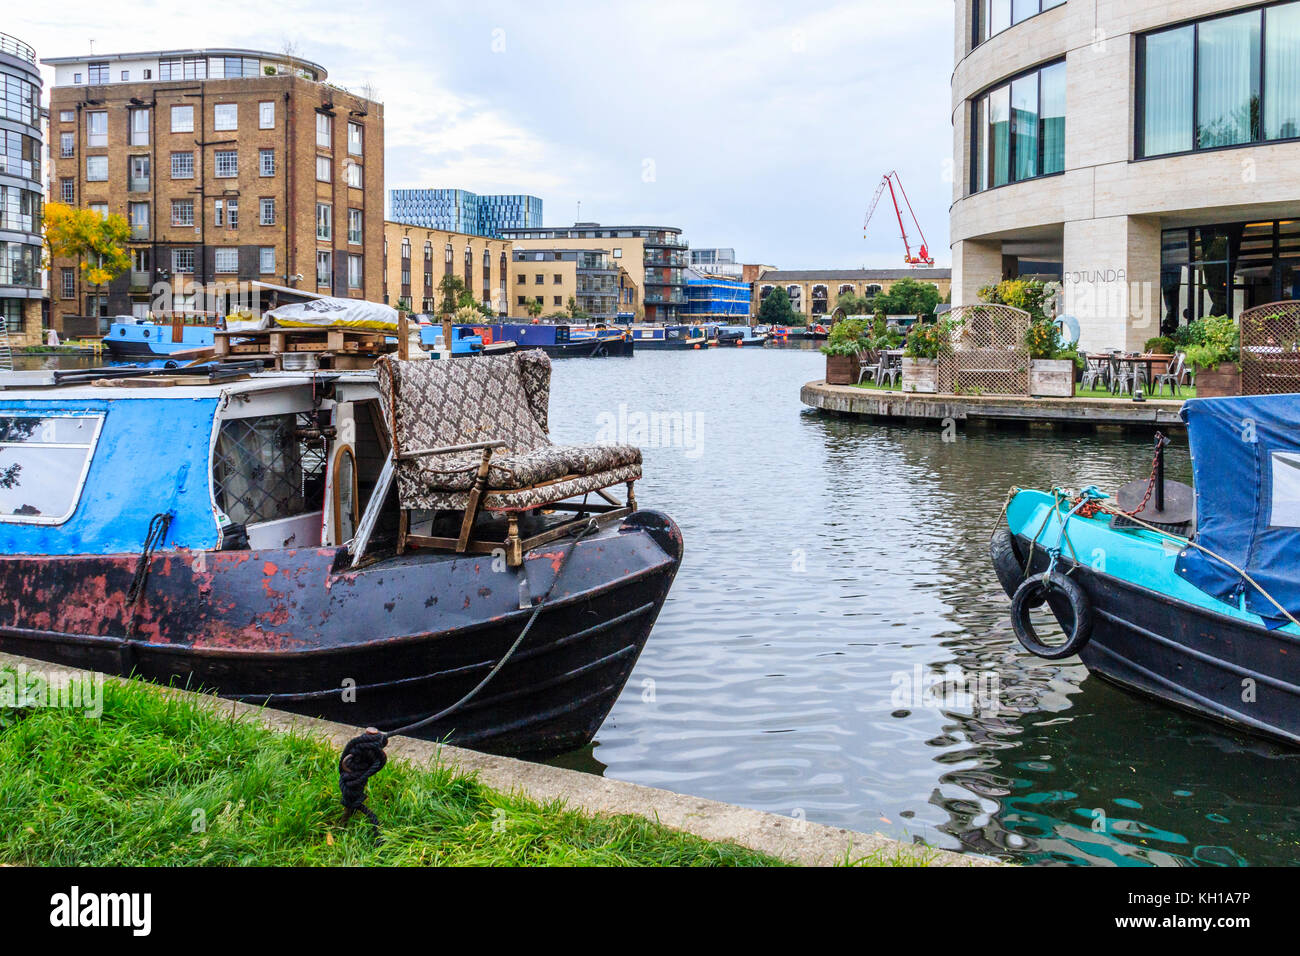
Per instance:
{"type": "Point", "coordinates": [159, 780]}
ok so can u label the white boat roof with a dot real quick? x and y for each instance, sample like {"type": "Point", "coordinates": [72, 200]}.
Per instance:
{"type": "Point", "coordinates": [41, 386]}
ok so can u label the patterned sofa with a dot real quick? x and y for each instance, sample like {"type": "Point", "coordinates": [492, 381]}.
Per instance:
{"type": "Point", "coordinates": [471, 433]}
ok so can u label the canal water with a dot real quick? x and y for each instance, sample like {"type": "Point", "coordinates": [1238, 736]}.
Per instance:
{"type": "Point", "coordinates": [837, 649]}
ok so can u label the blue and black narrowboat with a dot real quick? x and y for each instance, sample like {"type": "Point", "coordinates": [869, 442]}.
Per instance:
{"type": "Point", "coordinates": [670, 337]}
{"type": "Point", "coordinates": [560, 341]}
{"type": "Point", "coordinates": [142, 339]}
{"type": "Point", "coordinates": [239, 531]}
{"type": "Point", "coordinates": [1187, 596]}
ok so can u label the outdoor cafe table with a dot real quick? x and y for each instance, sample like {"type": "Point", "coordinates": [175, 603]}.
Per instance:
{"type": "Point", "coordinates": [1133, 361]}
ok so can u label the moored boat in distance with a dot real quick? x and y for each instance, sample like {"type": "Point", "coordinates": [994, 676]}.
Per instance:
{"type": "Point", "coordinates": [1190, 600]}
{"type": "Point", "coordinates": [560, 341]}
{"type": "Point", "coordinates": [133, 338]}
{"type": "Point", "coordinates": [669, 337]}
{"type": "Point", "coordinates": [290, 543]}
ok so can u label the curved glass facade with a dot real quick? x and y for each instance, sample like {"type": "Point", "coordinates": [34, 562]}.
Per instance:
{"type": "Point", "coordinates": [21, 189]}
{"type": "Point", "coordinates": [1224, 81]}
{"type": "Point", "coordinates": [1018, 129]}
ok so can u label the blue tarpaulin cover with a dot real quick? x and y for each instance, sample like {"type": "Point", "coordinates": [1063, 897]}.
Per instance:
{"type": "Point", "coordinates": [1246, 465]}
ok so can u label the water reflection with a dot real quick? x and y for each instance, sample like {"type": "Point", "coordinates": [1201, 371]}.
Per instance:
{"type": "Point", "coordinates": [826, 560]}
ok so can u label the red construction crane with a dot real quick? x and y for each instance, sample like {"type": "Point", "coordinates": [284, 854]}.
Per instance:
{"type": "Point", "coordinates": [923, 257]}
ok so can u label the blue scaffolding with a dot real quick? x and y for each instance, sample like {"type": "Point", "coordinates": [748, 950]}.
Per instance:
{"type": "Point", "coordinates": [713, 297]}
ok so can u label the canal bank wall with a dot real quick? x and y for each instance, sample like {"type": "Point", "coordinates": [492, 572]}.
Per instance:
{"type": "Point", "coordinates": [796, 841]}
{"type": "Point", "coordinates": [1082, 413]}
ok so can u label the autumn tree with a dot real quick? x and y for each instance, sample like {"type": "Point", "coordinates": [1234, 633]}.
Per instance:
{"type": "Point", "coordinates": [97, 243]}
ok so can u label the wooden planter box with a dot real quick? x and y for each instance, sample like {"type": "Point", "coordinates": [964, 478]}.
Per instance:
{"type": "Point", "coordinates": [1218, 382]}
{"type": "Point", "coordinates": [1052, 378]}
{"type": "Point", "coordinates": [841, 370]}
{"type": "Point", "coordinates": [1160, 368]}
{"type": "Point", "coordinates": [920, 375]}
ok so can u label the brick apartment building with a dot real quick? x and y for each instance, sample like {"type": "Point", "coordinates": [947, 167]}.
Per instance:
{"type": "Point", "coordinates": [228, 164]}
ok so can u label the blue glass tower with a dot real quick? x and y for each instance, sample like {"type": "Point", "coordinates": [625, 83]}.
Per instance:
{"type": "Point", "coordinates": [459, 210]}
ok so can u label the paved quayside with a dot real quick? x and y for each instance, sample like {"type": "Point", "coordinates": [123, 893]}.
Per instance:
{"type": "Point", "coordinates": [1068, 412]}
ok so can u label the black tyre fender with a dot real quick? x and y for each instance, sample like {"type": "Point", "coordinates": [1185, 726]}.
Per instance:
{"type": "Point", "coordinates": [1006, 560]}
{"type": "Point", "coordinates": [1048, 586]}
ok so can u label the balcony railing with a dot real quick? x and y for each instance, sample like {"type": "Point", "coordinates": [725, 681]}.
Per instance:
{"type": "Point", "coordinates": [16, 47]}
{"type": "Point", "coordinates": [140, 230]}
{"type": "Point", "coordinates": [138, 184]}
{"type": "Point", "coordinates": [666, 242]}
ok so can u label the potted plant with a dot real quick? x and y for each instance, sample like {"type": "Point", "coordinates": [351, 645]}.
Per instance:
{"type": "Point", "coordinates": [1051, 367]}
{"type": "Point", "coordinates": [921, 356]}
{"type": "Point", "coordinates": [1214, 350]}
{"type": "Point", "coordinates": [845, 340]}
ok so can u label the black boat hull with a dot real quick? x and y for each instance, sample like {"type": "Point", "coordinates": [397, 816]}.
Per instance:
{"type": "Point", "coordinates": [384, 646]}
{"type": "Point", "coordinates": [589, 348]}
{"type": "Point", "coordinates": [1212, 665]}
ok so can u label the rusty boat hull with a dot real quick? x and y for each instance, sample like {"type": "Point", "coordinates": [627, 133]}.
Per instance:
{"type": "Point", "coordinates": [384, 645]}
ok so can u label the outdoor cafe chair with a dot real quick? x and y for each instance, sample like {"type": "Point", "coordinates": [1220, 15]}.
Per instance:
{"type": "Point", "coordinates": [1173, 376]}
{"type": "Point", "coordinates": [868, 364]}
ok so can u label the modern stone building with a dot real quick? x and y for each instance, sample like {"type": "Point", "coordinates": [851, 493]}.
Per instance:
{"type": "Point", "coordinates": [1147, 152]}
{"type": "Point", "coordinates": [229, 164]}
{"type": "Point", "coordinates": [815, 291]}
{"type": "Point", "coordinates": [651, 260]}
{"type": "Point", "coordinates": [416, 259]}
{"type": "Point", "coordinates": [21, 151]}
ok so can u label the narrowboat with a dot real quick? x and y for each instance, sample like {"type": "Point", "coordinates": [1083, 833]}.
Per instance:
{"type": "Point", "coordinates": [131, 338]}
{"type": "Point", "coordinates": [669, 337]}
{"type": "Point", "coordinates": [617, 341]}
{"type": "Point", "coordinates": [293, 540]}
{"type": "Point", "coordinates": [740, 335]}
{"type": "Point", "coordinates": [1189, 596]}
{"type": "Point", "coordinates": [466, 341]}
{"type": "Point", "coordinates": [559, 341]}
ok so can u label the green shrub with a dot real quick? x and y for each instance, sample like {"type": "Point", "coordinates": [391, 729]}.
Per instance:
{"type": "Point", "coordinates": [846, 337]}
{"type": "Point", "coordinates": [1212, 341]}
{"type": "Point", "coordinates": [1160, 345]}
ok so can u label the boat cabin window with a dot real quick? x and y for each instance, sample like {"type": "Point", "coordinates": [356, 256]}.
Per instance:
{"type": "Point", "coordinates": [258, 469]}
{"type": "Point", "coordinates": [346, 512]}
{"type": "Point", "coordinates": [43, 465]}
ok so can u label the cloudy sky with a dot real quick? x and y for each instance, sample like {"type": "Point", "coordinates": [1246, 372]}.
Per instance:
{"type": "Point", "coordinates": [764, 125]}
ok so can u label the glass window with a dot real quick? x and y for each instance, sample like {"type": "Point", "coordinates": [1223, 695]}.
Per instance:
{"type": "Point", "coordinates": [999, 137]}
{"type": "Point", "coordinates": [182, 119]}
{"type": "Point", "coordinates": [226, 260]}
{"type": "Point", "coordinates": [257, 469]}
{"type": "Point", "coordinates": [97, 128]}
{"type": "Point", "coordinates": [266, 162]}
{"type": "Point", "coordinates": [1167, 102]}
{"type": "Point", "coordinates": [182, 165]}
{"type": "Point", "coordinates": [1018, 130]}
{"type": "Point", "coordinates": [96, 169]}
{"type": "Point", "coordinates": [1282, 72]}
{"type": "Point", "coordinates": [1024, 126]}
{"type": "Point", "coordinates": [323, 268]}
{"type": "Point", "coordinates": [354, 175]}
{"type": "Point", "coordinates": [43, 465]}
{"type": "Point", "coordinates": [1051, 118]}
{"type": "Point", "coordinates": [227, 163]}
{"type": "Point", "coordinates": [1227, 56]}
{"type": "Point", "coordinates": [322, 169]}
{"type": "Point", "coordinates": [354, 272]}
{"type": "Point", "coordinates": [266, 260]}
{"type": "Point", "coordinates": [266, 114]}
{"type": "Point", "coordinates": [182, 260]}
{"type": "Point", "coordinates": [182, 212]}
{"type": "Point", "coordinates": [354, 229]}
{"type": "Point", "coordinates": [324, 221]}
{"type": "Point", "coordinates": [139, 132]}
{"type": "Point", "coordinates": [324, 130]}
{"type": "Point", "coordinates": [267, 204]}
{"type": "Point", "coordinates": [225, 116]}
{"type": "Point", "coordinates": [354, 138]}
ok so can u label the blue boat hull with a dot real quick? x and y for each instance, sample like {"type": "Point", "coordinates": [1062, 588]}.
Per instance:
{"type": "Point", "coordinates": [1157, 635]}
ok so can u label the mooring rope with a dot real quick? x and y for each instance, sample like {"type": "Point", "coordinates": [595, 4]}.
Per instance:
{"type": "Point", "coordinates": [364, 756]}
{"type": "Point", "coordinates": [155, 536]}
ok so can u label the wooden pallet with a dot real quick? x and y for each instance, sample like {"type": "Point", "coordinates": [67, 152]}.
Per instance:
{"type": "Point", "coordinates": [279, 341]}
